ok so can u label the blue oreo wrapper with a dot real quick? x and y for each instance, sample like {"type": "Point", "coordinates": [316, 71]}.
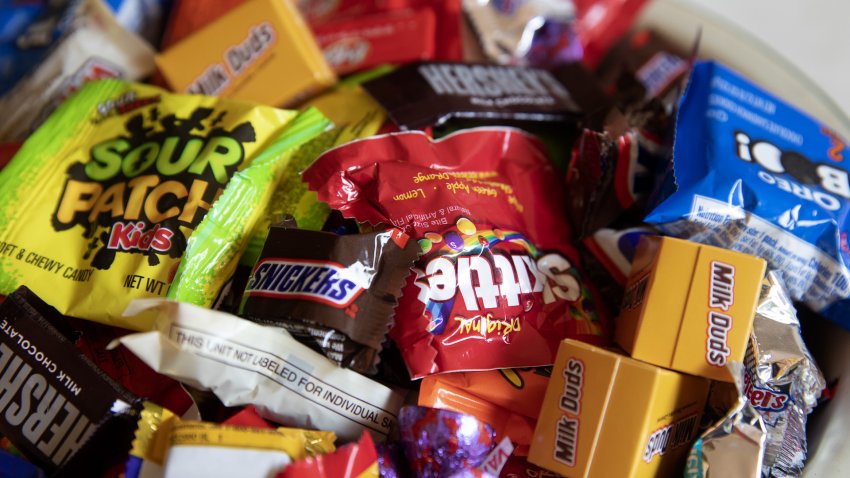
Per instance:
{"type": "Point", "coordinates": [756, 175]}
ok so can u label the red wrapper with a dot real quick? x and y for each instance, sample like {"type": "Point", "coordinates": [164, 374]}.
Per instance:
{"type": "Point", "coordinates": [126, 369]}
{"type": "Point", "coordinates": [449, 43]}
{"type": "Point", "coordinates": [352, 44]}
{"type": "Point", "coordinates": [498, 284]}
{"type": "Point", "coordinates": [355, 460]}
{"type": "Point", "coordinates": [603, 22]}
{"type": "Point", "coordinates": [7, 152]}
{"type": "Point", "coordinates": [247, 417]}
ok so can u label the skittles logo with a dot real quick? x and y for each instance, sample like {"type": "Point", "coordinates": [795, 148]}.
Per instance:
{"type": "Point", "coordinates": [484, 280]}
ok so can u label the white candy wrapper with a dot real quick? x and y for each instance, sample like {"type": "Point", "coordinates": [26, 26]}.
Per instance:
{"type": "Point", "coordinates": [245, 363]}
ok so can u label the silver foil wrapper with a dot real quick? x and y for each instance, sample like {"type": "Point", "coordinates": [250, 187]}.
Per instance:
{"type": "Point", "coordinates": [782, 381]}
{"type": "Point", "coordinates": [536, 33]}
{"type": "Point", "coordinates": [734, 446]}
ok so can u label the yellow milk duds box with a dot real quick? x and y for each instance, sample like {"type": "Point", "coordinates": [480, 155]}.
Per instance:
{"type": "Point", "coordinates": [689, 307]}
{"type": "Point", "coordinates": [260, 51]}
{"type": "Point", "coordinates": [607, 415]}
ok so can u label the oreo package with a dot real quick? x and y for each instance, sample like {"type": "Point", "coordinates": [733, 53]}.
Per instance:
{"type": "Point", "coordinates": [756, 175]}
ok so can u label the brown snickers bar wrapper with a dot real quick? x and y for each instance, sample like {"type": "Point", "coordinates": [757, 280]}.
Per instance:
{"type": "Point", "coordinates": [333, 293]}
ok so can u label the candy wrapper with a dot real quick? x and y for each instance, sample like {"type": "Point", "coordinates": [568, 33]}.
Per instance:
{"type": "Point", "coordinates": [782, 381]}
{"type": "Point", "coordinates": [56, 406]}
{"type": "Point", "coordinates": [126, 369]}
{"type": "Point", "coordinates": [497, 286]}
{"type": "Point", "coordinates": [601, 23]}
{"type": "Point", "coordinates": [439, 443]}
{"type": "Point", "coordinates": [333, 293]}
{"type": "Point", "coordinates": [214, 250]}
{"type": "Point", "coordinates": [245, 363]}
{"type": "Point", "coordinates": [355, 460]}
{"type": "Point", "coordinates": [614, 250]}
{"type": "Point", "coordinates": [758, 176]}
{"type": "Point", "coordinates": [363, 42]}
{"type": "Point", "coordinates": [644, 65]}
{"type": "Point", "coordinates": [614, 172]}
{"type": "Point", "coordinates": [28, 31]}
{"type": "Point", "coordinates": [167, 447]}
{"type": "Point", "coordinates": [734, 446]}
{"type": "Point", "coordinates": [95, 47]}
{"type": "Point", "coordinates": [98, 204]}
{"type": "Point", "coordinates": [529, 32]}
{"type": "Point", "coordinates": [509, 400]}
{"type": "Point", "coordinates": [427, 94]}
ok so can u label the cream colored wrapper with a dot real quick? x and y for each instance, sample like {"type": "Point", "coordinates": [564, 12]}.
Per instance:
{"type": "Point", "coordinates": [96, 47]}
{"type": "Point", "coordinates": [245, 363]}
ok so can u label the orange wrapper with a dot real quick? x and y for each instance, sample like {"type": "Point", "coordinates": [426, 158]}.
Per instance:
{"type": "Point", "coordinates": [509, 400]}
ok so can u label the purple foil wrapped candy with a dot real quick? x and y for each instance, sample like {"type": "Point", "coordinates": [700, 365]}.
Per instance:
{"type": "Point", "coordinates": [391, 462]}
{"type": "Point", "coordinates": [439, 443]}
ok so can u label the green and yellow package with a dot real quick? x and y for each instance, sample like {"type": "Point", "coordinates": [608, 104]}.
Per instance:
{"type": "Point", "coordinates": [97, 206]}
{"type": "Point", "coordinates": [214, 250]}
{"type": "Point", "coordinates": [270, 189]}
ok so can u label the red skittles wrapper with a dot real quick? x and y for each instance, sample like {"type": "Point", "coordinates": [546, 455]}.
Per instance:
{"type": "Point", "coordinates": [498, 284]}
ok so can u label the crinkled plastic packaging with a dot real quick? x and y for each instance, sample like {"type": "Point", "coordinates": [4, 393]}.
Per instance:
{"type": "Point", "coordinates": [246, 363]}
{"type": "Point", "coordinates": [354, 460]}
{"type": "Point", "coordinates": [167, 447]}
{"type": "Point", "coordinates": [98, 204]}
{"type": "Point", "coordinates": [530, 32]}
{"type": "Point", "coordinates": [782, 381]}
{"type": "Point", "coordinates": [498, 284]}
{"type": "Point", "coordinates": [509, 400]}
{"type": "Point", "coordinates": [758, 176]}
{"type": "Point", "coordinates": [28, 31]}
{"type": "Point", "coordinates": [333, 293]}
{"type": "Point", "coordinates": [734, 446]}
{"type": "Point", "coordinates": [439, 443]}
{"type": "Point", "coordinates": [216, 246]}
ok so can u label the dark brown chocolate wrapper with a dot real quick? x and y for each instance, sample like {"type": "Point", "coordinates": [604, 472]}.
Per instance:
{"type": "Point", "coordinates": [347, 322]}
{"type": "Point", "coordinates": [428, 94]}
{"type": "Point", "coordinates": [56, 406]}
{"type": "Point", "coordinates": [644, 65]}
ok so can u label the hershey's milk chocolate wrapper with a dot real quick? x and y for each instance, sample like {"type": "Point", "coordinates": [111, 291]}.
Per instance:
{"type": "Point", "coordinates": [56, 406]}
{"type": "Point", "coordinates": [426, 94]}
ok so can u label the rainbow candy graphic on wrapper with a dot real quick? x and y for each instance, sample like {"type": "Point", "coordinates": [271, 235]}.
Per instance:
{"type": "Point", "coordinates": [463, 239]}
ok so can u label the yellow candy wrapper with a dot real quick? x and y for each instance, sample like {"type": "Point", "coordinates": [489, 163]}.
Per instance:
{"type": "Point", "coordinates": [97, 206]}
{"type": "Point", "coordinates": [167, 446]}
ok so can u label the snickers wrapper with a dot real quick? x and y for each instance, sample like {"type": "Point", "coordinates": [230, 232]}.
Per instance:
{"type": "Point", "coordinates": [334, 293]}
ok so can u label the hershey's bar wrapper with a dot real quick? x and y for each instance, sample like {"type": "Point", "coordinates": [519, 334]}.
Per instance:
{"type": "Point", "coordinates": [426, 94]}
{"type": "Point", "coordinates": [54, 402]}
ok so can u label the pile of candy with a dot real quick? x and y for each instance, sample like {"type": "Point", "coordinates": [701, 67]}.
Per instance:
{"type": "Point", "coordinates": [402, 238]}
